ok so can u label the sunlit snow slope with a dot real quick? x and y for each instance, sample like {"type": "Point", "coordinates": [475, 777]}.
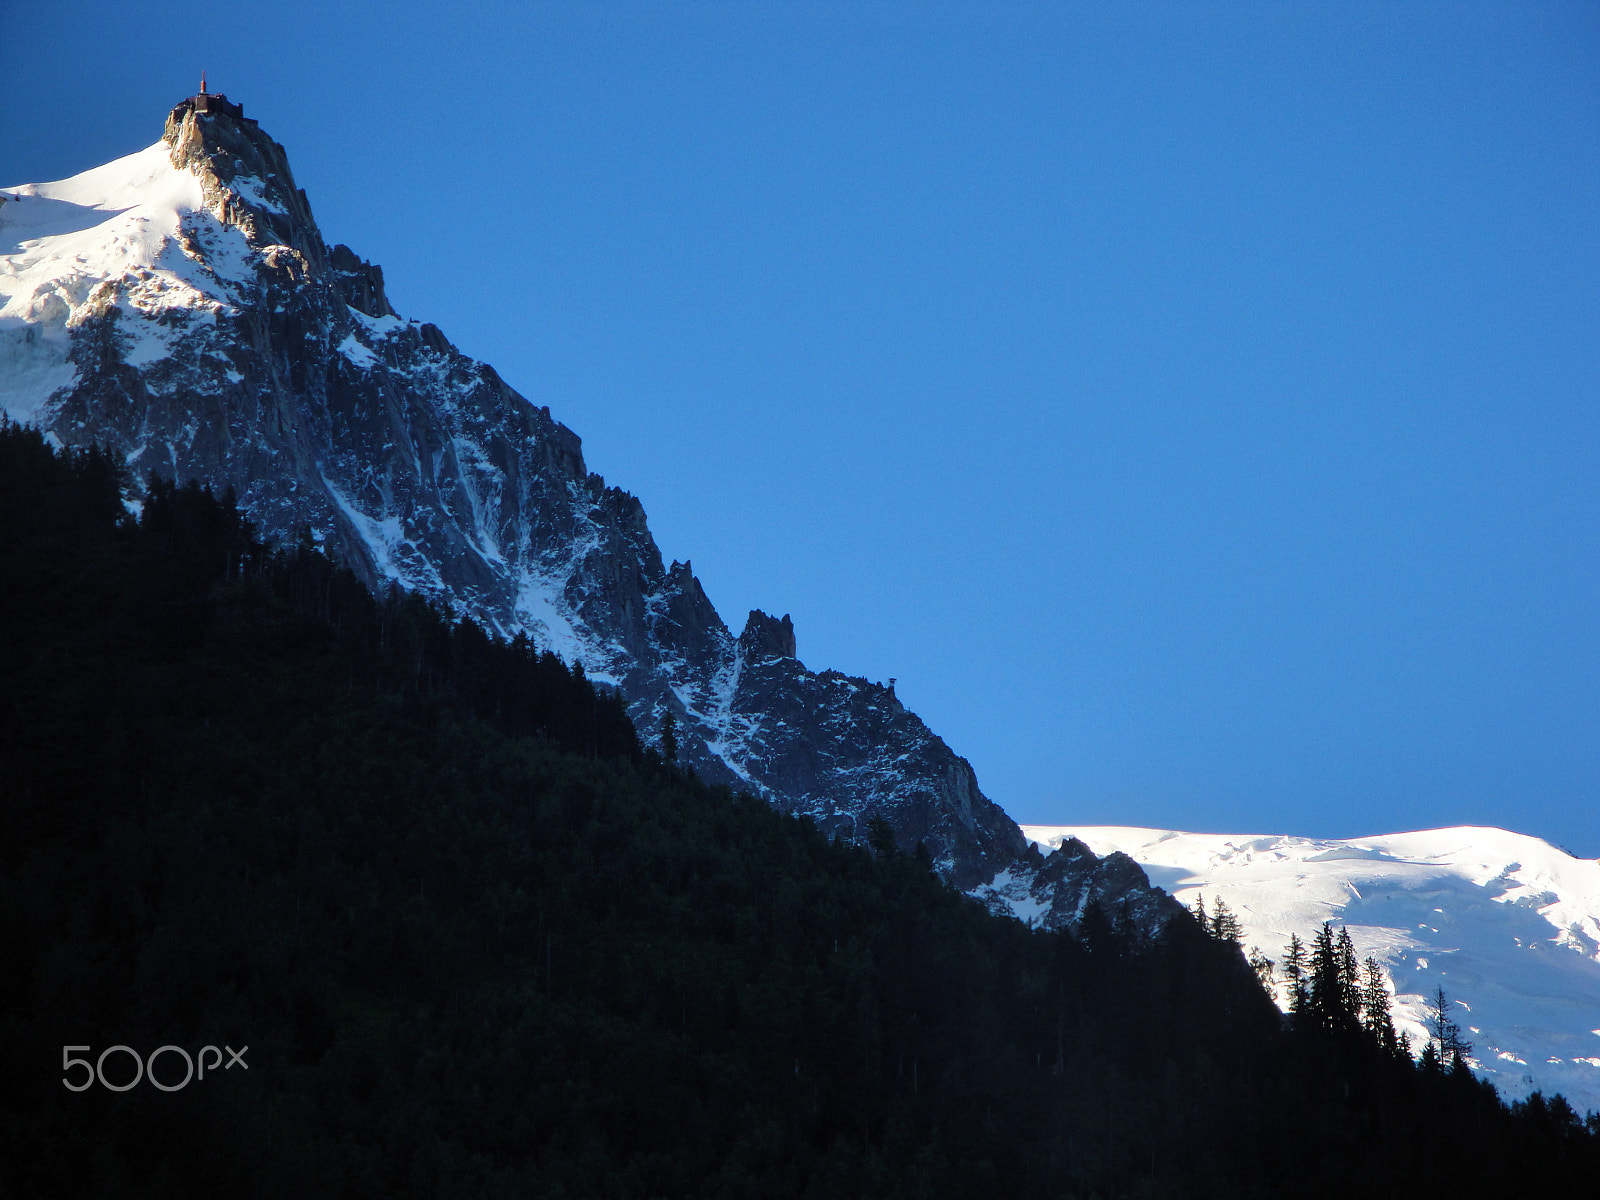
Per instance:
{"type": "Point", "coordinates": [1507, 924]}
{"type": "Point", "coordinates": [60, 245]}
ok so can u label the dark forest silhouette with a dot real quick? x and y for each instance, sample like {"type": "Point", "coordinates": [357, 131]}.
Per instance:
{"type": "Point", "coordinates": [482, 942]}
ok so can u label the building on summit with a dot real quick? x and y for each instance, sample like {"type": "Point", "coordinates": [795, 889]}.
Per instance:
{"type": "Point", "coordinates": [211, 102]}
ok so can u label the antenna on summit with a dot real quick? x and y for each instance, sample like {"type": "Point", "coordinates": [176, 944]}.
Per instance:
{"type": "Point", "coordinates": [210, 103]}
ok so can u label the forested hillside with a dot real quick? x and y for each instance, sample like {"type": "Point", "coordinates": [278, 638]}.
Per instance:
{"type": "Point", "coordinates": [480, 942]}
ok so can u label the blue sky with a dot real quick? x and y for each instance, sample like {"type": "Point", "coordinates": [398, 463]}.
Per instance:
{"type": "Point", "coordinates": [1195, 407]}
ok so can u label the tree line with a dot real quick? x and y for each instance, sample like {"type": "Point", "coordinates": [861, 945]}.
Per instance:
{"type": "Point", "coordinates": [1330, 995]}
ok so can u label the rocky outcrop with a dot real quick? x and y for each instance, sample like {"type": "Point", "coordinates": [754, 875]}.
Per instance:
{"type": "Point", "coordinates": [361, 285]}
{"type": "Point", "coordinates": [766, 637]}
{"type": "Point", "coordinates": [248, 354]}
{"type": "Point", "coordinates": [245, 179]}
{"type": "Point", "coordinates": [1055, 890]}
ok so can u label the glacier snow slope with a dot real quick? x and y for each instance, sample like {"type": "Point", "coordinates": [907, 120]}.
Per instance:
{"type": "Point", "coordinates": [62, 243]}
{"type": "Point", "coordinates": [1507, 924]}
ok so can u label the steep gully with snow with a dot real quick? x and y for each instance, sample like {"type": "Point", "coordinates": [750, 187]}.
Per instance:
{"type": "Point", "coordinates": [181, 306]}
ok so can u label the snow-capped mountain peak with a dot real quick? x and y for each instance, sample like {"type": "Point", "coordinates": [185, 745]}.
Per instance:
{"type": "Point", "coordinates": [182, 306]}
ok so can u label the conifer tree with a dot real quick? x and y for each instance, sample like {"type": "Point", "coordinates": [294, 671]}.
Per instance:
{"type": "Point", "coordinates": [1430, 1059]}
{"type": "Point", "coordinates": [1447, 1040]}
{"type": "Point", "coordinates": [881, 837]}
{"type": "Point", "coordinates": [1262, 966]}
{"type": "Point", "coordinates": [1375, 1016]}
{"type": "Point", "coordinates": [1295, 970]}
{"type": "Point", "coordinates": [1224, 924]}
{"type": "Point", "coordinates": [1325, 1000]}
{"type": "Point", "coordinates": [1349, 979]}
{"type": "Point", "coordinates": [669, 737]}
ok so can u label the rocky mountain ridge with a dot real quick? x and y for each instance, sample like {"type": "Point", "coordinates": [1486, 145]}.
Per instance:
{"type": "Point", "coordinates": [181, 306]}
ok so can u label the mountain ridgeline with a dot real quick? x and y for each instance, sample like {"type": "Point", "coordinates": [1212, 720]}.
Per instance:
{"type": "Point", "coordinates": [209, 332]}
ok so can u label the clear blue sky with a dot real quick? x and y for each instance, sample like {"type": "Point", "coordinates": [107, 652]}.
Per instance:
{"type": "Point", "coordinates": [1196, 407]}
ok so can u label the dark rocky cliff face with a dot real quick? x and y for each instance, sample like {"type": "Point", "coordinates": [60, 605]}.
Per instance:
{"type": "Point", "coordinates": [285, 373]}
